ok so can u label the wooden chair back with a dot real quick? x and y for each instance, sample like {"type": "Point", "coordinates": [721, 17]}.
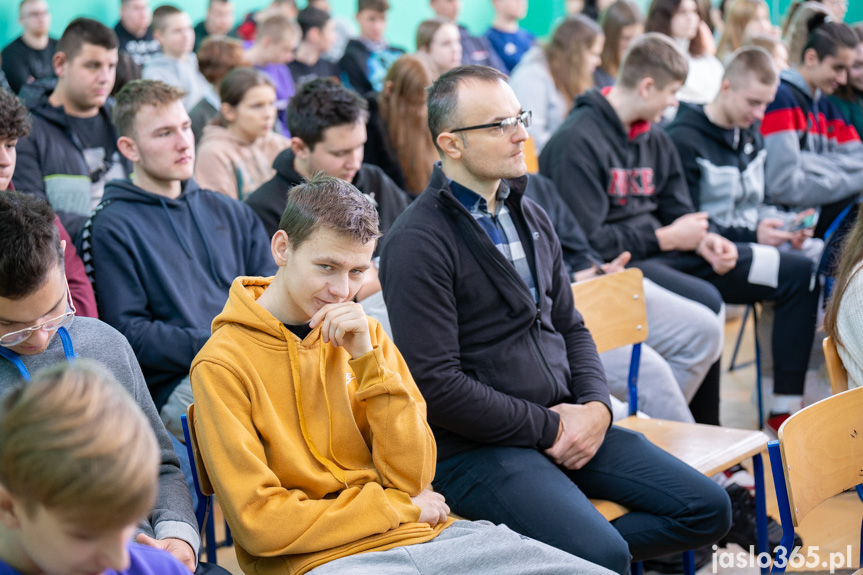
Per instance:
{"type": "Point", "coordinates": [531, 159]}
{"type": "Point", "coordinates": [613, 308]}
{"type": "Point", "coordinates": [822, 451]}
{"type": "Point", "coordinates": [837, 372]}
{"type": "Point", "coordinates": [203, 478]}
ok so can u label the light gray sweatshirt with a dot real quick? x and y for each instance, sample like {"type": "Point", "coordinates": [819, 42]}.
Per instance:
{"type": "Point", "coordinates": [92, 339]}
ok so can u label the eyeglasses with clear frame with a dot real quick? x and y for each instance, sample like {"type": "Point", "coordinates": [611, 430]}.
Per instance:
{"type": "Point", "coordinates": [506, 126]}
{"type": "Point", "coordinates": [12, 339]}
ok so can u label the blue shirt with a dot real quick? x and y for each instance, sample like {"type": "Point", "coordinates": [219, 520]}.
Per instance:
{"type": "Point", "coordinates": [510, 46]}
{"type": "Point", "coordinates": [500, 228]}
{"type": "Point", "coordinates": [144, 561]}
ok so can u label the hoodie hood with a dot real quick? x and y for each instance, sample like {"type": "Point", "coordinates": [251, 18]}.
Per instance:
{"type": "Point", "coordinates": [596, 104]}
{"type": "Point", "coordinates": [693, 117]}
{"type": "Point", "coordinates": [35, 96]}
{"type": "Point", "coordinates": [213, 132]}
{"type": "Point", "coordinates": [284, 166]}
{"type": "Point", "coordinates": [795, 78]}
{"type": "Point", "coordinates": [242, 310]}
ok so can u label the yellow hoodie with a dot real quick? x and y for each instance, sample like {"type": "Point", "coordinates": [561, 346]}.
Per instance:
{"type": "Point", "coordinates": [313, 456]}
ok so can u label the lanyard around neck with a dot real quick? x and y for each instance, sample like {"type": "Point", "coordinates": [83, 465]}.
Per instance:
{"type": "Point", "coordinates": [15, 359]}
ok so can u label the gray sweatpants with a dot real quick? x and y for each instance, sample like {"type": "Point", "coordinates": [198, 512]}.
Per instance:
{"type": "Point", "coordinates": [475, 547]}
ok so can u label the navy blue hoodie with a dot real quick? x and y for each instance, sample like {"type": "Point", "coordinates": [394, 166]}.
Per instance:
{"type": "Point", "coordinates": [162, 269]}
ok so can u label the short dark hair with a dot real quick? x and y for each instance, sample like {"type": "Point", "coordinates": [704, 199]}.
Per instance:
{"type": "Point", "coordinates": [656, 56]}
{"type": "Point", "coordinates": [137, 94]}
{"type": "Point", "coordinates": [14, 118]}
{"type": "Point", "coordinates": [332, 203]}
{"type": "Point", "coordinates": [373, 5]}
{"type": "Point", "coordinates": [442, 96]}
{"type": "Point", "coordinates": [751, 61]}
{"type": "Point", "coordinates": [161, 15]}
{"type": "Point", "coordinates": [82, 31]}
{"type": "Point", "coordinates": [321, 104]}
{"type": "Point", "coordinates": [31, 244]}
{"type": "Point", "coordinates": [310, 18]}
{"type": "Point", "coordinates": [827, 36]}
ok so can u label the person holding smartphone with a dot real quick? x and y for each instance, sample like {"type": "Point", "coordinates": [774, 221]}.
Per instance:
{"type": "Point", "coordinates": [723, 157]}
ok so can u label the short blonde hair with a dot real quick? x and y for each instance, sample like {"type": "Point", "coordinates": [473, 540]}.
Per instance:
{"type": "Point", "coordinates": [74, 442]}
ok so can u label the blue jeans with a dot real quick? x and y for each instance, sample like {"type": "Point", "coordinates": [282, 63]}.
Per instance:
{"type": "Point", "coordinates": [673, 508]}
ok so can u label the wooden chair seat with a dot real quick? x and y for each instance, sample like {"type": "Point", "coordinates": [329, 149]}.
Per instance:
{"type": "Point", "coordinates": [614, 311]}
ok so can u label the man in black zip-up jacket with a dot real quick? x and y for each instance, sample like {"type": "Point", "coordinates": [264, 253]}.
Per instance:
{"type": "Point", "coordinates": [481, 308]}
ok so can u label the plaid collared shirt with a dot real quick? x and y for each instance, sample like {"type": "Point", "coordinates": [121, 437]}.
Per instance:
{"type": "Point", "coordinates": [500, 228]}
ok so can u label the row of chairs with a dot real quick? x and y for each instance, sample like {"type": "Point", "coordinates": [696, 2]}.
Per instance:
{"type": "Point", "coordinates": [816, 457]}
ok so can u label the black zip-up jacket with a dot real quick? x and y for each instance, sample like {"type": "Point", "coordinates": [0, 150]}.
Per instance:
{"type": "Point", "coordinates": [621, 187]}
{"type": "Point", "coordinates": [270, 199]}
{"type": "Point", "coordinates": [487, 359]}
{"type": "Point", "coordinates": [51, 160]}
{"type": "Point", "coordinates": [724, 169]}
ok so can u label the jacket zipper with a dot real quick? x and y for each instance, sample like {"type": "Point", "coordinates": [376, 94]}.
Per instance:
{"type": "Point", "coordinates": [538, 323]}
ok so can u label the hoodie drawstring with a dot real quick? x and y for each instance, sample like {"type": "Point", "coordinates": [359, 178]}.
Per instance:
{"type": "Point", "coordinates": [337, 472]}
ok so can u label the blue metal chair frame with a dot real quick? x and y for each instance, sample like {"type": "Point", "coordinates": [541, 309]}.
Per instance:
{"type": "Point", "coordinates": [784, 502]}
{"type": "Point", "coordinates": [203, 509]}
{"type": "Point", "coordinates": [757, 464]}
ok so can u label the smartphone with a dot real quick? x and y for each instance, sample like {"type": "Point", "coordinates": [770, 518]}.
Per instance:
{"type": "Point", "coordinates": [803, 221]}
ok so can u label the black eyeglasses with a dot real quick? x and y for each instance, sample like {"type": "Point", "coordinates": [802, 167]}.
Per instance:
{"type": "Point", "coordinates": [505, 126]}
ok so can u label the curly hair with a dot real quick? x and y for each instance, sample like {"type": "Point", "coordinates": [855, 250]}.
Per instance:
{"type": "Point", "coordinates": [14, 118]}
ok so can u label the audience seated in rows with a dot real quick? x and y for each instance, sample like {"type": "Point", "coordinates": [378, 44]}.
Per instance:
{"type": "Point", "coordinates": [680, 20]}
{"type": "Point", "coordinates": [849, 98]}
{"type": "Point", "coordinates": [235, 156]}
{"type": "Point", "coordinates": [842, 320]}
{"type": "Point", "coordinates": [308, 418]}
{"type": "Point", "coordinates": [14, 124]}
{"type": "Point", "coordinates": [270, 52]}
{"type": "Point", "coordinates": [318, 37]}
{"type": "Point", "coordinates": [216, 58]}
{"type": "Point", "coordinates": [398, 138]}
{"type": "Point", "coordinates": [439, 39]}
{"type": "Point", "coordinates": [367, 58]}
{"type": "Point", "coordinates": [162, 250]}
{"type": "Point", "coordinates": [814, 157]}
{"type": "Point", "coordinates": [622, 179]}
{"type": "Point", "coordinates": [76, 479]}
{"type": "Point", "coordinates": [30, 56]}
{"type": "Point", "coordinates": [71, 152]}
{"type": "Point", "coordinates": [474, 49]}
{"type": "Point", "coordinates": [177, 64]}
{"type": "Point", "coordinates": [480, 270]}
{"type": "Point", "coordinates": [621, 23]}
{"type": "Point", "coordinates": [134, 33]}
{"type": "Point", "coordinates": [722, 155]}
{"type": "Point", "coordinates": [507, 39]}
{"type": "Point", "coordinates": [35, 306]}
{"type": "Point", "coordinates": [550, 77]}
{"type": "Point", "coordinates": [217, 23]}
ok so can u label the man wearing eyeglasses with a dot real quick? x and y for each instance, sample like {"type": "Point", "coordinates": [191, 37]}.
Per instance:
{"type": "Point", "coordinates": [481, 308]}
{"type": "Point", "coordinates": [29, 56]}
{"type": "Point", "coordinates": [38, 329]}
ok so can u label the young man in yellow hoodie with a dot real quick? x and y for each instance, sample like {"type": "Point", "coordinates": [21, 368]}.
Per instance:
{"type": "Point", "coordinates": [312, 429]}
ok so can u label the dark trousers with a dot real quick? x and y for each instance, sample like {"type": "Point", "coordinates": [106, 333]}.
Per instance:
{"type": "Point", "coordinates": [673, 507]}
{"type": "Point", "coordinates": [795, 297]}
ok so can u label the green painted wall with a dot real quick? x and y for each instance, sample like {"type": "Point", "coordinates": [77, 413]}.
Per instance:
{"type": "Point", "coordinates": [404, 14]}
